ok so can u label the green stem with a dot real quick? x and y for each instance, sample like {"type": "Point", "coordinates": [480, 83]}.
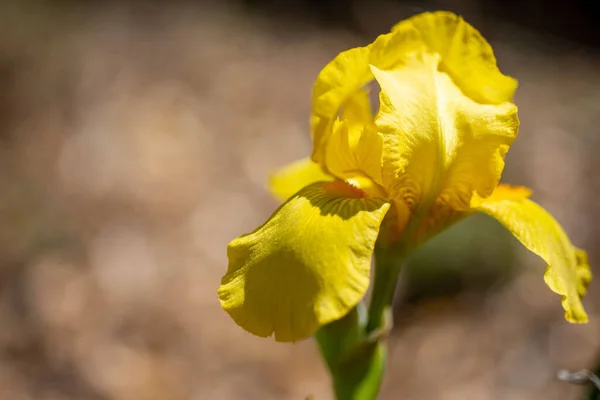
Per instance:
{"type": "Point", "coordinates": [386, 275]}
{"type": "Point", "coordinates": [338, 338]}
{"type": "Point", "coordinates": [359, 377]}
{"type": "Point", "coordinates": [356, 361]}
{"type": "Point", "coordinates": [354, 347]}
{"type": "Point", "coordinates": [388, 263]}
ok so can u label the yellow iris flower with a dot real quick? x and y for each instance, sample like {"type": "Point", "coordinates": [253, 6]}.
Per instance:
{"type": "Point", "coordinates": [433, 154]}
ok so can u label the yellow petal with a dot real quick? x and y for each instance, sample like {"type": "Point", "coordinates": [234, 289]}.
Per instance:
{"type": "Point", "coordinates": [355, 155]}
{"type": "Point", "coordinates": [465, 55]}
{"type": "Point", "coordinates": [306, 266]}
{"type": "Point", "coordinates": [357, 111]}
{"type": "Point", "coordinates": [288, 180]}
{"type": "Point", "coordinates": [568, 272]}
{"type": "Point", "coordinates": [336, 83]}
{"type": "Point", "coordinates": [438, 144]}
{"type": "Point", "coordinates": [345, 76]}
{"type": "Point", "coordinates": [480, 137]}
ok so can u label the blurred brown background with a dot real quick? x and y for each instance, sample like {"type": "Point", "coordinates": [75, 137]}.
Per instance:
{"type": "Point", "coordinates": [135, 140]}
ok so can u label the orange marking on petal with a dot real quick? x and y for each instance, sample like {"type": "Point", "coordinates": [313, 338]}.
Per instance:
{"type": "Point", "coordinates": [343, 189]}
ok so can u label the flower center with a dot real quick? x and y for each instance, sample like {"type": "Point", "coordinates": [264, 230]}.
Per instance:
{"type": "Point", "coordinates": [367, 185]}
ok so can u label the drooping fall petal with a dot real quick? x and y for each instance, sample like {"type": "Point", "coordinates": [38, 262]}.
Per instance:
{"type": "Point", "coordinates": [306, 266]}
{"type": "Point", "coordinates": [568, 272]}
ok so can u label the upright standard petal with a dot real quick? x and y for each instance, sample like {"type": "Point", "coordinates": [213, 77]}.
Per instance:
{"type": "Point", "coordinates": [439, 146]}
{"type": "Point", "coordinates": [465, 55]}
{"type": "Point", "coordinates": [288, 180]}
{"type": "Point", "coordinates": [354, 155]}
{"type": "Point", "coordinates": [412, 131]}
{"type": "Point", "coordinates": [346, 75]}
{"type": "Point", "coordinates": [568, 272]}
{"type": "Point", "coordinates": [357, 112]}
{"type": "Point", "coordinates": [306, 266]}
{"type": "Point", "coordinates": [337, 82]}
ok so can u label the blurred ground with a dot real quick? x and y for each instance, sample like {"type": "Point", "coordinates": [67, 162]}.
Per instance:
{"type": "Point", "coordinates": [134, 144]}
